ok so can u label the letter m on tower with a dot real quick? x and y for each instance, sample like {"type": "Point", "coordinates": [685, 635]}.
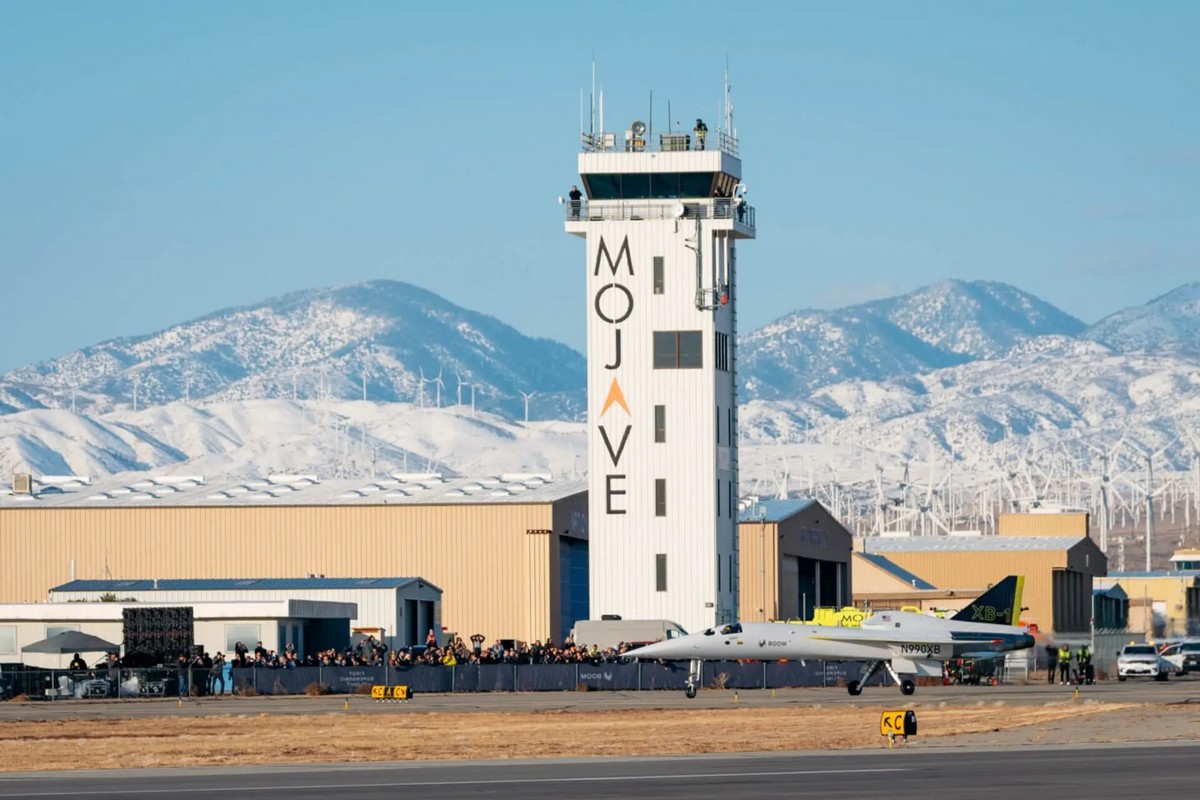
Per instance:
{"type": "Point", "coordinates": [602, 254]}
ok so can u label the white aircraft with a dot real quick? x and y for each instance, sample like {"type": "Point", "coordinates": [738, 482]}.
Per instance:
{"type": "Point", "coordinates": [904, 643]}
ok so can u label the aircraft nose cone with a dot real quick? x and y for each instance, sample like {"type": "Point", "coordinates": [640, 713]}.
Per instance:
{"type": "Point", "coordinates": [1025, 642]}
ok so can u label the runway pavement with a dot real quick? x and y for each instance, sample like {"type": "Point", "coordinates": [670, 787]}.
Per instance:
{"type": "Point", "coordinates": [1017, 694]}
{"type": "Point", "coordinates": [1067, 772]}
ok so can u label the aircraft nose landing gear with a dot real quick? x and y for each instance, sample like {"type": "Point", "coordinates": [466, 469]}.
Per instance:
{"type": "Point", "coordinates": [693, 678]}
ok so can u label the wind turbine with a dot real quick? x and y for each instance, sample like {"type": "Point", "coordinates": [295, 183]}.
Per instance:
{"type": "Point", "coordinates": [137, 381]}
{"type": "Point", "coordinates": [458, 384]}
{"type": "Point", "coordinates": [527, 396]}
{"type": "Point", "coordinates": [187, 388]}
{"type": "Point", "coordinates": [1149, 492]}
{"type": "Point", "coordinates": [364, 382]}
{"type": "Point", "coordinates": [438, 382]}
{"type": "Point", "coordinates": [422, 371]}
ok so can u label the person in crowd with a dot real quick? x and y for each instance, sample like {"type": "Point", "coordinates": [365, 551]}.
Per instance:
{"type": "Point", "coordinates": [77, 663]}
{"type": "Point", "coordinates": [1051, 662]}
{"type": "Point", "coordinates": [216, 675]}
{"type": "Point", "coordinates": [1064, 664]}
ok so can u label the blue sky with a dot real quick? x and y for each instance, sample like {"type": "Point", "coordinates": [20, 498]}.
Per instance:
{"type": "Point", "coordinates": [159, 160]}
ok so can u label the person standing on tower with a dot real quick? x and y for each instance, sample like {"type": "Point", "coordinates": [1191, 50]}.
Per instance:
{"type": "Point", "coordinates": [700, 131]}
{"type": "Point", "coordinates": [576, 200]}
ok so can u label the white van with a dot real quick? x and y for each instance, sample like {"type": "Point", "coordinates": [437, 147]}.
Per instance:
{"type": "Point", "coordinates": [604, 633]}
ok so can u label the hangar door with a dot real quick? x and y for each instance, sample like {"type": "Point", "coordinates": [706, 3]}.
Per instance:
{"type": "Point", "coordinates": [572, 583]}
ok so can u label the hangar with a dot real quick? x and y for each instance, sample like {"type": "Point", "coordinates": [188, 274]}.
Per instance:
{"type": "Point", "coordinates": [509, 551]}
{"type": "Point", "coordinates": [1059, 572]}
{"type": "Point", "coordinates": [793, 557]}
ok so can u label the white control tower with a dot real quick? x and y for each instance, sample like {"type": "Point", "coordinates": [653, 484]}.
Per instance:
{"type": "Point", "coordinates": [662, 212]}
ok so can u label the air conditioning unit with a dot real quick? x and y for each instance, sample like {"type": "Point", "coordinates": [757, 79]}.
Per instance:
{"type": "Point", "coordinates": [22, 483]}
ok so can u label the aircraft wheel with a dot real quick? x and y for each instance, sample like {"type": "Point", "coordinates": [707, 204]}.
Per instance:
{"type": "Point", "coordinates": [690, 691]}
{"type": "Point", "coordinates": [1121, 678]}
{"type": "Point", "coordinates": [854, 688]}
{"type": "Point", "coordinates": [907, 686]}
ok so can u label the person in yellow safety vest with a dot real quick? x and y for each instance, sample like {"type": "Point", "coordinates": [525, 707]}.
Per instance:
{"type": "Point", "coordinates": [449, 660]}
{"type": "Point", "coordinates": [1084, 659]}
{"type": "Point", "coordinates": [1064, 664]}
{"type": "Point", "coordinates": [701, 130]}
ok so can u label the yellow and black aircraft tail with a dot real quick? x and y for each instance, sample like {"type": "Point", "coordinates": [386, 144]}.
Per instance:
{"type": "Point", "coordinates": [999, 605]}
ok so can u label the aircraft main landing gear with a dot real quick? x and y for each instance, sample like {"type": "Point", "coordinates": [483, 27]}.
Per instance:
{"type": "Point", "coordinates": [907, 685]}
{"type": "Point", "coordinates": [855, 687]}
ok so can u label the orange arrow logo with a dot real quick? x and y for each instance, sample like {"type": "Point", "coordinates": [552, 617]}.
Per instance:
{"type": "Point", "coordinates": [615, 395]}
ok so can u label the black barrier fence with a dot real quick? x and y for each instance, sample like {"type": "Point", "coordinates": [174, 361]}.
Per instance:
{"type": "Point", "coordinates": [548, 677]}
{"type": "Point", "coordinates": [46, 684]}
{"type": "Point", "coordinates": [102, 683]}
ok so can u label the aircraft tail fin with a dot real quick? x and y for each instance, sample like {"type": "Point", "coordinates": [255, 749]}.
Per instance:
{"type": "Point", "coordinates": [999, 605]}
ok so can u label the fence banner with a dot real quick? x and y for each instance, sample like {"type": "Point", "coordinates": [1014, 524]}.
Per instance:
{"type": "Point", "coordinates": [672, 675]}
{"type": "Point", "coordinates": [609, 677]}
{"type": "Point", "coordinates": [546, 678]}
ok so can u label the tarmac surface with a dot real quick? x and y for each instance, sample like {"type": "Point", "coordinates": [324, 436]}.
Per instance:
{"type": "Point", "coordinates": [1170, 692]}
{"type": "Point", "coordinates": [1085, 771]}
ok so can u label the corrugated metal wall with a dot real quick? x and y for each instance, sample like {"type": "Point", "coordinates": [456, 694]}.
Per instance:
{"type": "Point", "coordinates": [497, 579]}
{"type": "Point", "coordinates": [758, 572]}
{"type": "Point", "coordinates": [950, 570]}
{"type": "Point", "coordinates": [1074, 525]}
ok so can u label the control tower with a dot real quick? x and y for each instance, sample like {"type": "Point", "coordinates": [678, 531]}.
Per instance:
{"type": "Point", "coordinates": [662, 212]}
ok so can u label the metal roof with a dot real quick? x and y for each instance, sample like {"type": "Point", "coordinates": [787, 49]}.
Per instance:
{"type": "Point", "coordinates": [969, 544]}
{"type": "Point", "coordinates": [1115, 591]}
{"type": "Point", "coordinates": [897, 571]}
{"type": "Point", "coordinates": [1157, 573]}
{"type": "Point", "coordinates": [143, 491]}
{"type": "Point", "coordinates": [235, 584]}
{"type": "Point", "coordinates": [772, 510]}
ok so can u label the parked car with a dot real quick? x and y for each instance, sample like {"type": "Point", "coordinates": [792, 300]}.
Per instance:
{"type": "Point", "coordinates": [1185, 656]}
{"type": "Point", "coordinates": [1142, 661]}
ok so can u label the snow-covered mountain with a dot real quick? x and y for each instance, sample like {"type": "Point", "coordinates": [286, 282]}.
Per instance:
{"type": "Point", "coordinates": [1168, 322]}
{"type": "Point", "coordinates": [967, 370]}
{"type": "Point", "coordinates": [950, 322]}
{"type": "Point", "coordinates": [978, 319]}
{"type": "Point", "coordinates": [379, 338]}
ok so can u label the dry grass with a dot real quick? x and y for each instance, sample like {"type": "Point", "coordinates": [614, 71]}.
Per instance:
{"type": "Point", "coordinates": [405, 736]}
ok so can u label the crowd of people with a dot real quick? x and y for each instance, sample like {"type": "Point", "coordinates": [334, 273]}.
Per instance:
{"type": "Point", "coordinates": [371, 652]}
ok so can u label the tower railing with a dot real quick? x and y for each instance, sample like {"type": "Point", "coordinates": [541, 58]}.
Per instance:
{"type": "Point", "coordinates": [623, 211]}
{"type": "Point", "coordinates": [670, 142]}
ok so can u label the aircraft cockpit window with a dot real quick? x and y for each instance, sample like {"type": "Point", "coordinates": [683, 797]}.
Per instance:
{"type": "Point", "coordinates": [710, 631]}
{"type": "Point", "coordinates": [734, 628]}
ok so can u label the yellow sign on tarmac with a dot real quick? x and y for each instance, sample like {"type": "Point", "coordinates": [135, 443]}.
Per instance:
{"type": "Point", "coordinates": [898, 723]}
{"type": "Point", "coordinates": [389, 693]}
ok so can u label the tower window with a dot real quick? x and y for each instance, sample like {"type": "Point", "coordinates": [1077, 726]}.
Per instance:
{"type": "Point", "coordinates": [658, 275]}
{"type": "Point", "coordinates": [721, 351]}
{"type": "Point", "coordinates": [678, 350]}
{"type": "Point", "coordinates": [660, 424]}
{"type": "Point", "coordinates": [660, 497]}
{"type": "Point", "coordinates": [660, 572]}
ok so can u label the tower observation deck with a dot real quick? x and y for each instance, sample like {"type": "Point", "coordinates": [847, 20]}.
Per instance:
{"type": "Point", "coordinates": [661, 214]}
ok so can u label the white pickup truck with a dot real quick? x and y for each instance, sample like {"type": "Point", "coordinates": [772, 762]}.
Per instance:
{"type": "Point", "coordinates": [1142, 661]}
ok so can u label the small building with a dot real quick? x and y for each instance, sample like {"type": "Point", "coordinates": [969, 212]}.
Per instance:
{"type": "Point", "coordinates": [1160, 603]}
{"type": "Point", "coordinates": [399, 611]}
{"type": "Point", "coordinates": [793, 557]}
{"type": "Point", "coordinates": [310, 625]}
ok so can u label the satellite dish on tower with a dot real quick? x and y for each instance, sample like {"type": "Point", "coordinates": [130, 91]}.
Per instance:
{"type": "Point", "coordinates": [638, 127]}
